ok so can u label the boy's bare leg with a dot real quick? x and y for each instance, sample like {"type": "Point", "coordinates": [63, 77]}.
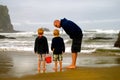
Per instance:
{"type": "Point", "coordinates": [55, 65]}
{"type": "Point", "coordinates": [55, 68]}
{"type": "Point", "coordinates": [74, 58]}
{"type": "Point", "coordinates": [39, 63]}
{"type": "Point", "coordinates": [44, 65]}
{"type": "Point", "coordinates": [44, 62]}
{"type": "Point", "coordinates": [60, 63]}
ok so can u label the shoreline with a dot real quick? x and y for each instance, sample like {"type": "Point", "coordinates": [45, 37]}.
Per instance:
{"type": "Point", "coordinates": [22, 65]}
{"type": "Point", "coordinates": [103, 52]}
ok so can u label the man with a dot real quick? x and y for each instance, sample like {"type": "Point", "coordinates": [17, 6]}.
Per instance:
{"type": "Point", "coordinates": [75, 33]}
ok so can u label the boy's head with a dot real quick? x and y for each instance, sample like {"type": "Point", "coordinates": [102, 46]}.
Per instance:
{"type": "Point", "coordinates": [56, 32]}
{"type": "Point", "coordinates": [40, 31]}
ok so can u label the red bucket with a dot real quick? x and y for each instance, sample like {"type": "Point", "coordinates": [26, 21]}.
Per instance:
{"type": "Point", "coordinates": [48, 59]}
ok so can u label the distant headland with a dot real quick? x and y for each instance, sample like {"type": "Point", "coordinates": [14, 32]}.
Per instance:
{"type": "Point", "coordinates": [5, 22]}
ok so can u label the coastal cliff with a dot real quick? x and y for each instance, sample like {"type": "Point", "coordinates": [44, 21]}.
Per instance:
{"type": "Point", "coordinates": [5, 22]}
{"type": "Point", "coordinates": [117, 43]}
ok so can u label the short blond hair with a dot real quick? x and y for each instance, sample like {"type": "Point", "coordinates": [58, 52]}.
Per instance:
{"type": "Point", "coordinates": [40, 31]}
{"type": "Point", "coordinates": [56, 32]}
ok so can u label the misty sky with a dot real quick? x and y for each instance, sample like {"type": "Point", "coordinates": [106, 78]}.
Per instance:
{"type": "Point", "coordinates": [28, 15]}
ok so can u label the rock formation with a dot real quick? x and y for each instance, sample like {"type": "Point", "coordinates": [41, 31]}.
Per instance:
{"type": "Point", "coordinates": [5, 22]}
{"type": "Point", "coordinates": [4, 37]}
{"type": "Point", "coordinates": [117, 43]}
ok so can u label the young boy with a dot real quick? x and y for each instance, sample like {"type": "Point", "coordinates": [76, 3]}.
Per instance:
{"type": "Point", "coordinates": [58, 47]}
{"type": "Point", "coordinates": [41, 48]}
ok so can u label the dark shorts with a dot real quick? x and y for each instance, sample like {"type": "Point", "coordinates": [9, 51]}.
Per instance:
{"type": "Point", "coordinates": [76, 45]}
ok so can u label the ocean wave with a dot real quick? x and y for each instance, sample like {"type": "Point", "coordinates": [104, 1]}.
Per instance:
{"type": "Point", "coordinates": [25, 40]}
{"type": "Point", "coordinates": [16, 49]}
{"type": "Point", "coordinates": [62, 33]}
{"type": "Point", "coordinates": [13, 48]}
{"type": "Point", "coordinates": [102, 31]}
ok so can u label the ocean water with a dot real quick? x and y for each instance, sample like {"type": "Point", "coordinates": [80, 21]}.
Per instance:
{"type": "Point", "coordinates": [92, 40]}
{"type": "Point", "coordinates": [25, 63]}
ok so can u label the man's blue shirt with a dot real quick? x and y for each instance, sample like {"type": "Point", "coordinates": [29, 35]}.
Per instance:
{"type": "Point", "coordinates": [72, 29]}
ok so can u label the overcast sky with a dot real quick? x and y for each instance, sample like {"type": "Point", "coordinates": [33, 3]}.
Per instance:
{"type": "Point", "coordinates": [28, 15]}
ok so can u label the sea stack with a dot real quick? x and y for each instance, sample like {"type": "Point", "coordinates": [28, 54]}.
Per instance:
{"type": "Point", "coordinates": [5, 22]}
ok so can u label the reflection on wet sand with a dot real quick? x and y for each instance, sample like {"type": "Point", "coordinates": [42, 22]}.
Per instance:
{"type": "Point", "coordinates": [24, 63]}
{"type": "Point", "coordinates": [118, 60]}
{"type": "Point", "coordinates": [5, 64]}
{"type": "Point", "coordinates": [12, 64]}
{"type": "Point", "coordinates": [99, 61]}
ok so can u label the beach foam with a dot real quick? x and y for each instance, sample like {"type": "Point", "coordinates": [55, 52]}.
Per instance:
{"type": "Point", "coordinates": [24, 41]}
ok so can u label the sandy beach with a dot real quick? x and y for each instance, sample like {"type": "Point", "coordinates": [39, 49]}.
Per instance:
{"type": "Point", "coordinates": [109, 73]}
{"type": "Point", "coordinates": [22, 65]}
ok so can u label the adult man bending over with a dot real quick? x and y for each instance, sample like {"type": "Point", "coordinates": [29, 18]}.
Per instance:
{"type": "Point", "coordinates": [75, 33]}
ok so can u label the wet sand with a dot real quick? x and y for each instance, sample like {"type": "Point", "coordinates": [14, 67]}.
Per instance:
{"type": "Point", "coordinates": [109, 73]}
{"type": "Point", "coordinates": [23, 66]}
